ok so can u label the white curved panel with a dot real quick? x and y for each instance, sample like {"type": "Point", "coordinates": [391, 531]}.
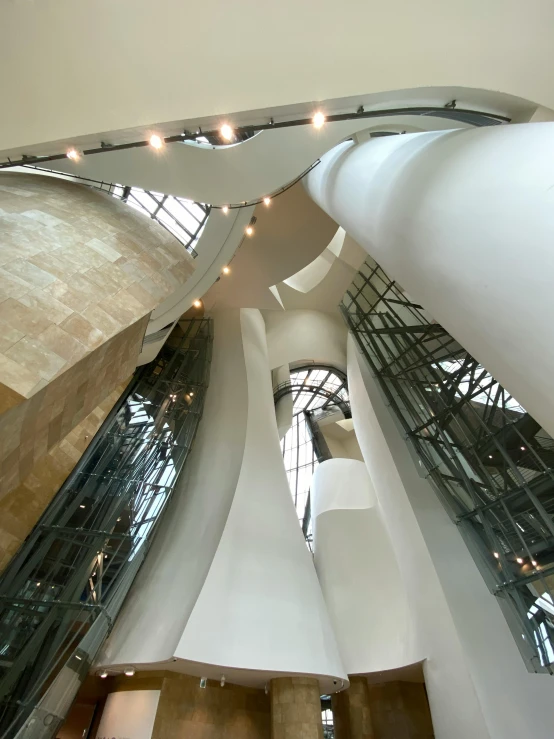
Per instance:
{"type": "Point", "coordinates": [149, 71]}
{"type": "Point", "coordinates": [473, 669]}
{"type": "Point", "coordinates": [357, 570]}
{"type": "Point", "coordinates": [161, 600]}
{"type": "Point", "coordinates": [305, 334]}
{"type": "Point", "coordinates": [219, 241]}
{"type": "Point", "coordinates": [261, 606]}
{"type": "Point", "coordinates": [464, 220]}
{"type": "Point", "coordinates": [283, 407]}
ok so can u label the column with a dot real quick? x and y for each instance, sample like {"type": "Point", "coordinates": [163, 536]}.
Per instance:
{"type": "Point", "coordinates": [464, 221]}
{"type": "Point", "coordinates": [295, 708]}
{"type": "Point", "coordinates": [352, 711]}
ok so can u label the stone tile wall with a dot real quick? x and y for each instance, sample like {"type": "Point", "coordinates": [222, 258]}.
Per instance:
{"type": "Point", "coordinates": [22, 507]}
{"type": "Point", "coordinates": [28, 430]}
{"type": "Point", "coordinates": [78, 270]}
{"type": "Point", "coordinates": [187, 711]}
{"type": "Point", "coordinates": [352, 711]}
{"type": "Point", "coordinates": [400, 710]}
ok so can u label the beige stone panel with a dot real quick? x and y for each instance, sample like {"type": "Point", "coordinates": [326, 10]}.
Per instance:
{"type": "Point", "coordinates": [8, 336]}
{"type": "Point", "coordinates": [30, 429]}
{"type": "Point", "coordinates": [231, 712]}
{"type": "Point", "coordinates": [21, 318]}
{"type": "Point", "coordinates": [144, 297]}
{"type": "Point", "coordinates": [62, 343]}
{"type": "Point", "coordinates": [29, 273]}
{"type": "Point", "coordinates": [36, 357]}
{"type": "Point", "coordinates": [21, 509]}
{"type": "Point", "coordinates": [72, 260]}
{"type": "Point", "coordinates": [20, 380]}
{"type": "Point", "coordinates": [43, 303]}
{"type": "Point", "coordinates": [83, 331]}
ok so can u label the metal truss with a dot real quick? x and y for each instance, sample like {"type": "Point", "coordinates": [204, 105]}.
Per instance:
{"type": "Point", "coordinates": [490, 461]}
{"type": "Point", "coordinates": [62, 590]}
{"type": "Point", "coordinates": [318, 391]}
{"type": "Point", "coordinates": [183, 218]}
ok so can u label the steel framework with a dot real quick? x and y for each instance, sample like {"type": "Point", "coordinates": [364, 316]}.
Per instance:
{"type": "Point", "coordinates": [62, 590]}
{"type": "Point", "coordinates": [490, 461]}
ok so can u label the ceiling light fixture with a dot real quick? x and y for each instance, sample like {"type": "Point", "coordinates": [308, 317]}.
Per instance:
{"type": "Point", "coordinates": [156, 142]}
{"type": "Point", "coordinates": [267, 201]}
{"type": "Point", "coordinates": [318, 120]}
{"type": "Point", "coordinates": [73, 154]}
{"type": "Point", "coordinates": [225, 209]}
{"type": "Point", "coordinates": [534, 563]}
{"type": "Point", "coordinates": [249, 231]}
{"type": "Point", "coordinates": [103, 674]}
{"type": "Point", "coordinates": [130, 671]}
{"type": "Point", "coordinates": [522, 448]}
{"type": "Point", "coordinates": [519, 560]}
{"type": "Point", "coordinates": [197, 303]}
{"type": "Point", "coordinates": [227, 132]}
{"type": "Point", "coordinates": [497, 556]}
{"type": "Point", "coordinates": [226, 270]}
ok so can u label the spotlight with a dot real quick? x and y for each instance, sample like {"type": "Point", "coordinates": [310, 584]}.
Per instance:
{"type": "Point", "coordinates": [73, 154]}
{"type": "Point", "coordinates": [156, 142]}
{"type": "Point", "coordinates": [534, 563]}
{"type": "Point", "coordinates": [191, 393]}
{"type": "Point", "coordinates": [490, 456]}
{"type": "Point", "coordinates": [225, 209]}
{"type": "Point", "coordinates": [519, 561]}
{"type": "Point", "coordinates": [227, 132]}
{"type": "Point", "coordinates": [249, 230]}
{"type": "Point", "coordinates": [222, 681]}
{"type": "Point", "coordinates": [267, 201]}
{"type": "Point", "coordinates": [82, 506]}
{"type": "Point", "coordinates": [197, 303]}
{"type": "Point", "coordinates": [226, 270]}
{"type": "Point", "coordinates": [130, 671]}
{"type": "Point", "coordinates": [318, 120]}
{"type": "Point", "coordinates": [496, 555]}
{"type": "Point", "coordinates": [103, 674]}
{"type": "Point", "coordinates": [522, 448]}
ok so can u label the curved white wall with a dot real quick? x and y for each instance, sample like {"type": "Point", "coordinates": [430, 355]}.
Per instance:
{"type": "Point", "coordinates": [161, 600]}
{"type": "Point", "coordinates": [261, 606]}
{"type": "Point", "coordinates": [464, 220]}
{"type": "Point", "coordinates": [476, 680]}
{"type": "Point", "coordinates": [305, 334]}
{"type": "Point", "coordinates": [357, 570]}
{"type": "Point", "coordinates": [229, 585]}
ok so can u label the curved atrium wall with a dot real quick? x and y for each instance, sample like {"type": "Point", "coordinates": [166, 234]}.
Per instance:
{"type": "Point", "coordinates": [80, 273]}
{"type": "Point", "coordinates": [238, 585]}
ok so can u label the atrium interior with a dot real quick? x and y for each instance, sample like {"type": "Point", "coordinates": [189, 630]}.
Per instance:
{"type": "Point", "coordinates": [276, 361]}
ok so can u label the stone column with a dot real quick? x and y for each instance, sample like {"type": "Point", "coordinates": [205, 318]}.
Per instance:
{"type": "Point", "coordinates": [295, 708]}
{"type": "Point", "coordinates": [463, 220]}
{"type": "Point", "coordinates": [352, 712]}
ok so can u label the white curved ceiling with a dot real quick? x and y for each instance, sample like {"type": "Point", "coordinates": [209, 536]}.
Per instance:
{"type": "Point", "coordinates": [288, 235]}
{"type": "Point", "coordinates": [233, 174]}
{"type": "Point", "coordinates": [71, 68]}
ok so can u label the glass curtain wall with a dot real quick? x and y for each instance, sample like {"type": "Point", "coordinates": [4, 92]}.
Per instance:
{"type": "Point", "coordinates": [62, 590]}
{"type": "Point", "coordinates": [314, 388]}
{"type": "Point", "coordinates": [490, 461]}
